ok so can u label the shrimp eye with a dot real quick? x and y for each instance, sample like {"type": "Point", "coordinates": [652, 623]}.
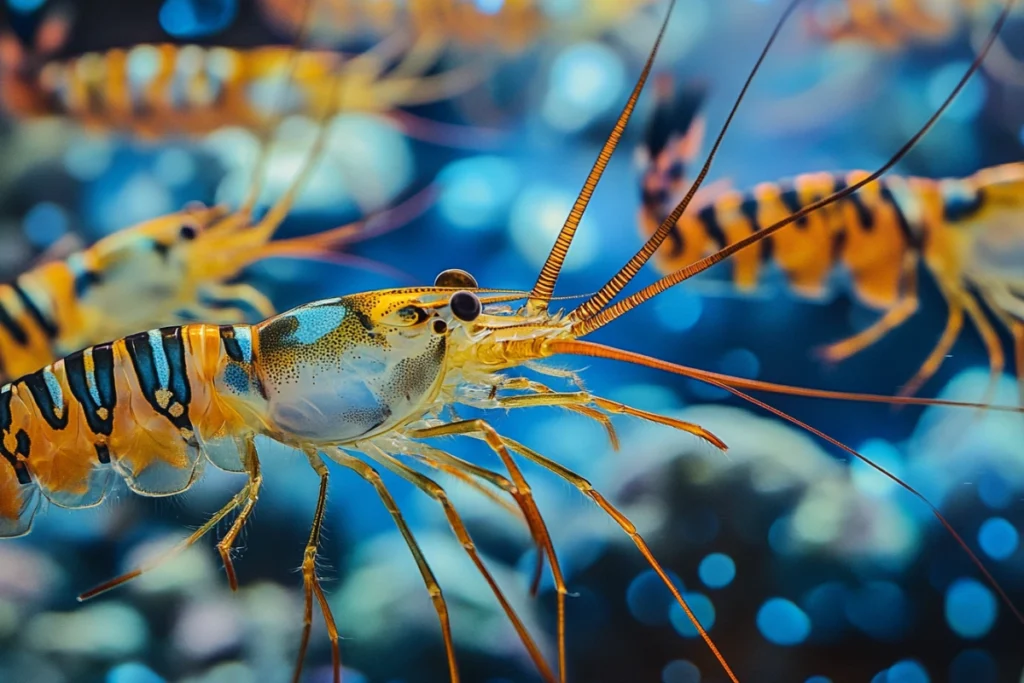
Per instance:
{"type": "Point", "coordinates": [465, 306]}
{"type": "Point", "coordinates": [440, 327]}
{"type": "Point", "coordinates": [187, 232]}
{"type": "Point", "coordinates": [454, 277]}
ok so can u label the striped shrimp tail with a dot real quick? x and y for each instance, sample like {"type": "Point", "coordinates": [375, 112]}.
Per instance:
{"type": "Point", "coordinates": [144, 407]}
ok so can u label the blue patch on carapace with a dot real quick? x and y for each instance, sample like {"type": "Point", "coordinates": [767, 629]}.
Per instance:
{"type": "Point", "coordinates": [317, 322]}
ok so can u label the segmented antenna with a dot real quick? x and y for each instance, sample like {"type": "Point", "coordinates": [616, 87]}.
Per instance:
{"type": "Point", "coordinates": [628, 271]}
{"type": "Point", "coordinates": [545, 285]}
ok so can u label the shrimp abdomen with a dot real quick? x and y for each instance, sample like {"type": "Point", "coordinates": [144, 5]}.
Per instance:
{"type": "Point", "coordinates": [144, 407]}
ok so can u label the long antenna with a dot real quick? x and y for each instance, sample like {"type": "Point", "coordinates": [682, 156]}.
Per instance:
{"type": "Point", "coordinates": [545, 285]}
{"type": "Point", "coordinates": [588, 325]}
{"type": "Point", "coordinates": [622, 278]}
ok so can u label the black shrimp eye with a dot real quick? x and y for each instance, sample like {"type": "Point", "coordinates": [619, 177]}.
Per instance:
{"type": "Point", "coordinates": [455, 277]}
{"type": "Point", "coordinates": [188, 232]}
{"type": "Point", "coordinates": [440, 327]}
{"type": "Point", "coordinates": [465, 306]}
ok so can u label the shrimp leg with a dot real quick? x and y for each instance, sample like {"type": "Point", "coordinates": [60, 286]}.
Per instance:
{"type": "Point", "coordinates": [954, 324]}
{"type": "Point", "coordinates": [433, 588]}
{"type": "Point", "coordinates": [536, 520]}
{"type": "Point", "coordinates": [311, 582]}
{"type": "Point", "coordinates": [569, 399]}
{"type": "Point", "coordinates": [179, 548]}
{"type": "Point", "coordinates": [1016, 330]}
{"type": "Point", "coordinates": [466, 472]}
{"type": "Point", "coordinates": [522, 383]}
{"type": "Point", "coordinates": [224, 547]}
{"type": "Point", "coordinates": [994, 348]}
{"type": "Point", "coordinates": [905, 306]}
{"type": "Point", "coordinates": [434, 490]}
{"type": "Point", "coordinates": [588, 490]}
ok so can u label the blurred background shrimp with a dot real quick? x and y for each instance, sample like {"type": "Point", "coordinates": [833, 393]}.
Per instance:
{"type": "Point", "coordinates": [173, 268]}
{"type": "Point", "coordinates": [509, 27]}
{"type": "Point", "coordinates": [965, 231]}
{"type": "Point", "coordinates": [818, 567]}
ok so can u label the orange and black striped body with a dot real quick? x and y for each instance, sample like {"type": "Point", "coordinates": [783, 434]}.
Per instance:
{"type": "Point", "coordinates": [869, 234]}
{"type": "Point", "coordinates": [156, 90]}
{"type": "Point", "coordinates": [144, 407]}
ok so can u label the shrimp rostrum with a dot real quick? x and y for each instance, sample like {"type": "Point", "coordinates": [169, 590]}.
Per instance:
{"type": "Point", "coordinates": [368, 380]}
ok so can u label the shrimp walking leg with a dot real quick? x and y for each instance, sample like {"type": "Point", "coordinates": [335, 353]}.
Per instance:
{"type": "Point", "coordinates": [1016, 330]}
{"type": "Point", "coordinates": [522, 383]}
{"type": "Point", "coordinates": [224, 547]}
{"type": "Point", "coordinates": [581, 397]}
{"type": "Point", "coordinates": [231, 505]}
{"type": "Point", "coordinates": [994, 348]}
{"type": "Point", "coordinates": [900, 312]}
{"type": "Point", "coordinates": [587, 489]}
{"type": "Point", "coordinates": [434, 490]}
{"type": "Point", "coordinates": [311, 582]}
{"type": "Point", "coordinates": [433, 588]}
{"type": "Point", "coordinates": [468, 473]}
{"type": "Point", "coordinates": [931, 365]}
{"type": "Point", "coordinates": [535, 520]}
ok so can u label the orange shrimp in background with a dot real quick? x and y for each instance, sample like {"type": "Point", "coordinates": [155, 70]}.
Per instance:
{"type": "Point", "coordinates": [509, 26]}
{"type": "Point", "coordinates": [891, 24]}
{"type": "Point", "coordinates": [156, 91]}
{"type": "Point", "coordinates": [671, 142]}
{"type": "Point", "coordinates": [965, 232]}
